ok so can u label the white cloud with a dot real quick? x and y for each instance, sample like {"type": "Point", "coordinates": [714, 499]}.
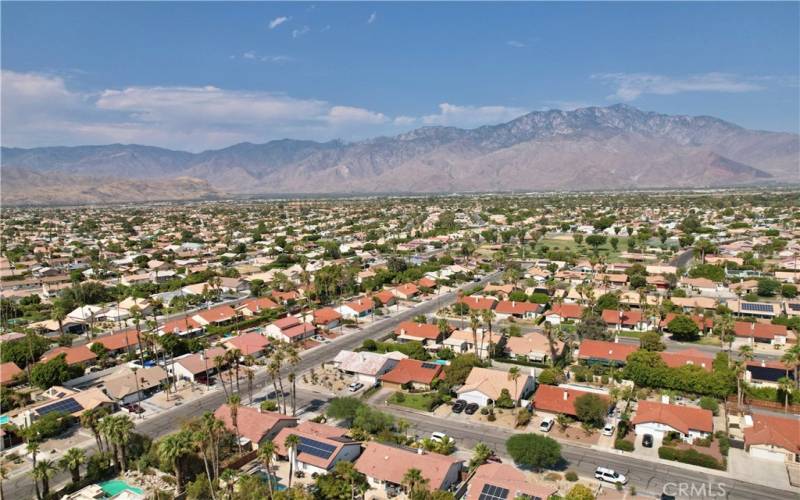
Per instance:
{"type": "Point", "coordinates": [515, 43]}
{"type": "Point", "coordinates": [278, 21]}
{"type": "Point", "coordinates": [252, 55]}
{"type": "Point", "coordinates": [372, 18]}
{"type": "Point", "coordinates": [567, 105]}
{"type": "Point", "coordinates": [348, 114]}
{"type": "Point", "coordinates": [631, 86]}
{"type": "Point", "coordinates": [472, 116]}
{"type": "Point", "coordinates": [297, 33]}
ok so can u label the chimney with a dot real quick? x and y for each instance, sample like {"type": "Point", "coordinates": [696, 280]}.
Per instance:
{"type": "Point", "coordinates": [260, 410]}
{"type": "Point", "coordinates": [419, 451]}
{"type": "Point", "coordinates": [616, 338]}
{"type": "Point", "coordinates": [763, 363]}
{"type": "Point", "coordinates": [513, 303]}
{"type": "Point", "coordinates": [566, 395]}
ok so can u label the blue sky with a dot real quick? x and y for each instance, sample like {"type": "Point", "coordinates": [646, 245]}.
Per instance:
{"type": "Point", "coordinates": [205, 75]}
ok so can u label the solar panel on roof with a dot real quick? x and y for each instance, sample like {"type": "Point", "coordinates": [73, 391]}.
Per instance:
{"type": "Point", "coordinates": [430, 366]}
{"type": "Point", "coordinates": [315, 448]}
{"type": "Point", "coordinates": [492, 492]}
{"type": "Point", "coordinates": [794, 307]}
{"type": "Point", "coordinates": [67, 406]}
{"type": "Point", "coordinates": [751, 306]}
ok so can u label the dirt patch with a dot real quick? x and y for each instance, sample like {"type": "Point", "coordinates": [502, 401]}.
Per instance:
{"type": "Point", "coordinates": [575, 433]}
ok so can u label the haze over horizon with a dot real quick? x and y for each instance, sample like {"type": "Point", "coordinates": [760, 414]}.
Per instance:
{"type": "Point", "coordinates": [195, 77]}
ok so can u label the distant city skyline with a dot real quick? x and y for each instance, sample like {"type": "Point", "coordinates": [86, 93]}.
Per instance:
{"type": "Point", "coordinates": [196, 76]}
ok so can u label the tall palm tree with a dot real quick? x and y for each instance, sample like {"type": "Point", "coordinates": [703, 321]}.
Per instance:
{"type": "Point", "coordinates": [791, 358]}
{"type": "Point", "coordinates": [548, 332]}
{"type": "Point", "coordinates": [488, 315]}
{"type": "Point", "coordinates": [480, 455]}
{"type": "Point", "coordinates": [90, 419]}
{"type": "Point", "coordinates": [33, 449]}
{"type": "Point", "coordinates": [174, 449]}
{"type": "Point", "coordinates": [43, 471]}
{"type": "Point", "coordinates": [121, 434]}
{"type": "Point", "coordinates": [266, 453]}
{"type": "Point", "coordinates": [785, 385]}
{"type": "Point", "coordinates": [72, 461]}
{"type": "Point", "coordinates": [235, 357]}
{"type": "Point", "coordinates": [291, 444]}
{"type": "Point", "coordinates": [233, 406]}
{"type": "Point", "coordinates": [474, 323]}
{"type": "Point", "coordinates": [293, 358]}
{"type": "Point", "coordinates": [250, 373]}
{"type": "Point", "coordinates": [413, 480]}
{"type": "Point", "coordinates": [106, 427]}
{"type": "Point", "coordinates": [219, 362]}
{"type": "Point", "coordinates": [213, 430]}
{"type": "Point", "coordinates": [513, 375]}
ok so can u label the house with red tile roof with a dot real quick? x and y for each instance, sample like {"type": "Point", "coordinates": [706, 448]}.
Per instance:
{"type": "Point", "coordinates": [215, 316]}
{"type": "Point", "coordinates": [10, 374]}
{"type": "Point", "coordinates": [290, 329]}
{"type": "Point", "coordinates": [408, 331]}
{"type": "Point", "coordinates": [691, 356]}
{"type": "Point", "coordinates": [484, 386]}
{"type": "Point", "coordinates": [284, 297]}
{"type": "Point", "coordinates": [765, 333]}
{"type": "Point", "coordinates": [657, 419]}
{"type": "Point", "coordinates": [321, 447]}
{"type": "Point", "coordinates": [119, 343]}
{"type": "Point", "coordinates": [762, 372]}
{"type": "Point", "coordinates": [356, 308]}
{"type": "Point", "coordinates": [250, 344]}
{"type": "Point", "coordinates": [625, 320]}
{"type": "Point", "coordinates": [426, 282]}
{"type": "Point", "coordinates": [606, 353]}
{"type": "Point", "coordinates": [519, 484]}
{"type": "Point", "coordinates": [78, 355]}
{"type": "Point", "coordinates": [533, 346]}
{"type": "Point", "coordinates": [181, 326]}
{"type": "Point", "coordinates": [564, 312]}
{"type": "Point", "coordinates": [406, 291]}
{"type": "Point", "coordinates": [521, 310]}
{"type": "Point", "coordinates": [386, 297]}
{"type": "Point", "coordinates": [773, 437]}
{"type": "Point", "coordinates": [255, 426]}
{"type": "Point", "coordinates": [327, 317]}
{"type": "Point", "coordinates": [193, 367]}
{"type": "Point", "coordinates": [556, 399]}
{"type": "Point", "coordinates": [411, 372]}
{"type": "Point", "coordinates": [256, 306]}
{"type": "Point", "coordinates": [704, 323]}
{"type": "Point", "coordinates": [386, 465]}
{"type": "Point", "coordinates": [476, 303]}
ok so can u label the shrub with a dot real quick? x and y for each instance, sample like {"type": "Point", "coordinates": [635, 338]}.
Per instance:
{"type": "Point", "coordinates": [533, 450]}
{"type": "Point", "coordinates": [491, 417]}
{"type": "Point", "coordinates": [690, 456]}
{"type": "Point", "coordinates": [399, 397]}
{"type": "Point", "coordinates": [269, 405]}
{"type": "Point", "coordinates": [523, 417]}
{"type": "Point", "coordinates": [724, 442]}
{"type": "Point", "coordinates": [709, 403]}
{"type": "Point", "coordinates": [571, 476]}
{"type": "Point", "coordinates": [621, 444]}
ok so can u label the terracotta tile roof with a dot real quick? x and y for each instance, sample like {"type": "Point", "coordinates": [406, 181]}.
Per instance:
{"type": "Point", "coordinates": [75, 355]}
{"type": "Point", "coordinates": [421, 330]}
{"type": "Point", "coordinates": [385, 296]}
{"type": "Point", "coordinates": [773, 430]}
{"type": "Point", "coordinates": [303, 329]}
{"type": "Point", "coordinates": [766, 331]}
{"type": "Point", "coordinates": [326, 315]}
{"type": "Point", "coordinates": [477, 303]}
{"type": "Point", "coordinates": [195, 364]}
{"type": "Point", "coordinates": [120, 340]}
{"type": "Point", "coordinates": [248, 343]}
{"type": "Point", "coordinates": [328, 434]}
{"type": "Point", "coordinates": [532, 342]}
{"type": "Point", "coordinates": [550, 398]}
{"type": "Point", "coordinates": [361, 304]}
{"type": "Point", "coordinates": [610, 351]}
{"type": "Point", "coordinates": [682, 418]}
{"type": "Point", "coordinates": [426, 282]}
{"type": "Point", "coordinates": [287, 322]}
{"type": "Point", "coordinates": [180, 325]}
{"type": "Point", "coordinates": [217, 314]}
{"type": "Point", "coordinates": [492, 382]}
{"type": "Point", "coordinates": [566, 311]}
{"type": "Point", "coordinates": [407, 289]}
{"type": "Point", "coordinates": [388, 463]}
{"type": "Point", "coordinates": [513, 307]}
{"type": "Point", "coordinates": [412, 370]}
{"type": "Point", "coordinates": [508, 477]}
{"type": "Point", "coordinates": [253, 423]}
{"type": "Point", "coordinates": [629, 318]}
{"type": "Point", "coordinates": [689, 356]}
{"type": "Point", "coordinates": [8, 372]}
{"type": "Point", "coordinates": [256, 305]}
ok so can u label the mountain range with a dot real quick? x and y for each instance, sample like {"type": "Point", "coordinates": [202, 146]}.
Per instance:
{"type": "Point", "coordinates": [615, 147]}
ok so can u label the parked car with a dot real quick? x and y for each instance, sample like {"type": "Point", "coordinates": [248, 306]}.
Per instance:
{"type": "Point", "coordinates": [608, 430]}
{"type": "Point", "coordinates": [647, 441]}
{"type": "Point", "coordinates": [494, 459]}
{"type": "Point", "coordinates": [459, 406]}
{"type": "Point", "coordinates": [134, 408]}
{"type": "Point", "coordinates": [438, 436]}
{"type": "Point", "coordinates": [609, 476]}
{"type": "Point", "coordinates": [355, 386]}
{"type": "Point", "coordinates": [471, 408]}
{"type": "Point", "coordinates": [547, 424]}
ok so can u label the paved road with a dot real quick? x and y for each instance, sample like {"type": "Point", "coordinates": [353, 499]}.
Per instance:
{"type": "Point", "coordinates": [20, 486]}
{"type": "Point", "coordinates": [673, 346]}
{"type": "Point", "coordinates": [682, 259]}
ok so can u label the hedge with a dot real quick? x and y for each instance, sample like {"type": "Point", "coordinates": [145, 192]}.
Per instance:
{"type": "Point", "coordinates": [621, 444]}
{"type": "Point", "coordinates": [690, 456]}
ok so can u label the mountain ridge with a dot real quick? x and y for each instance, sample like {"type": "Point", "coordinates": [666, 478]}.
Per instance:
{"type": "Point", "coordinates": [610, 147]}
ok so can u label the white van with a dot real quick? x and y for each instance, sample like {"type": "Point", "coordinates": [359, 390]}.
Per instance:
{"type": "Point", "coordinates": [438, 436]}
{"type": "Point", "coordinates": [609, 476]}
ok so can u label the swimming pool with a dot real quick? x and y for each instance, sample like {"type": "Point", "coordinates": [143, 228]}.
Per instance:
{"type": "Point", "coordinates": [441, 362]}
{"type": "Point", "coordinates": [275, 480]}
{"type": "Point", "coordinates": [116, 486]}
{"type": "Point", "coordinates": [3, 419]}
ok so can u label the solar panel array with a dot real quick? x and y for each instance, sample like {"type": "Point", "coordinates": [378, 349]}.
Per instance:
{"type": "Point", "coordinates": [492, 492]}
{"type": "Point", "coordinates": [430, 366]}
{"type": "Point", "coordinates": [315, 448]}
{"type": "Point", "coordinates": [752, 306]}
{"type": "Point", "coordinates": [794, 307]}
{"type": "Point", "coordinates": [67, 406]}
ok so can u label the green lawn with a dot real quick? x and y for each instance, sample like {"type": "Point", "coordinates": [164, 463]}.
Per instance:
{"type": "Point", "coordinates": [416, 401]}
{"type": "Point", "coordinates": [583, 248]}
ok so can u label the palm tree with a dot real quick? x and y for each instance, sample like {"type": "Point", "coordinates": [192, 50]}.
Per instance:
{"type": "Point", "coordinates": [785, 385]}
{"type": "Point", "coordinates": [266, 453]}
{"type": "Point", "coordinates": [488, 315]}
{"type": "Point", "coordinates": [43, 471]}
{"type": "Point", "coordinates": [173, 449]}
{"type": "Point", "coordinates": [725, 330]}
{"type": "Point", "coordinates": [291, 444]}
{"type": "Point", "coordinates": [347, 471]}
{"type": "Point", "coordinates": [413, 480]}
{"type": "Point", "coordinates": [250, 373]}
{"type": "Point", "coordinates": [293, 358]}
{"type": "Point", "coordinates": [480, 455]}
{"type": "Point", "coordinates": [33, 449]}
{"type": "Point", "coordinates": [122, 428]}
{"type": "Point", "coordinates": [219, 362]}
{"type": "Point", "coordinates": [739, 370]}
{"type": "Point", "coordinates": [791, 358]}
{"type": "Point", "coordinates": [106, 428]}
{"type": "Point", "coordinates": [474, 323]}
{"type": "Point", "coordinates": [212, 429]}
{"type": "Point", "coordinates": [513, 375]}
{"type": "Point", "coordinates": [72, 461]}
{"type": "Point", "coordinates": [90, 419]}
{"type": "Point", "coordinates": [548, 332]}
{"type": "Point", "coordinates": [235, 356]}
{"type": "Point", "coordinates": [233, 405]}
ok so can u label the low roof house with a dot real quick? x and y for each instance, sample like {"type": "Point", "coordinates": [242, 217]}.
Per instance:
{"type": "Point", "coordinates": [78, 355]}
{"type": "Point", "coordinates": [659, 418]}
{"type": "Point", "coordinates": [552, 399]}
{"type": "Point", "coordinates": [484, 386]}
{"type": "Point", "coordinates": [215, 316]}
{"type": "Point", "coordinates": [506, 482]}
{"type": "Point", "coordinates": [10, 373]}
{"type": "Point", "coordinates": [417, 373]}
{"type": "Point", "coordinates": [773, 437]}
{"type": "Point", "coordinates": [421, 332]}
{"type": "Point", "coordinates": [366, 366]}
{"type": "Point", "coordinates": [125, 385]}
{"type": "Point", "coordinates": [524, 310]}
{"type": "Point", "coordinates": [386, 465]}
{"type": "Point", "coordinates": [603, 352]}
{"type": "Point", "coordinates": [250, 344]}
{"type": "Point", "coordinates": [533, 346]}
{"type": "Point", "coordinates": [254, 425]}
{"type": "Point", "coordinates": [564, 312]}
{"type": "Point", "coordinates": [321, 446]}
{"type": "Point", "coordinates": [255, 306]}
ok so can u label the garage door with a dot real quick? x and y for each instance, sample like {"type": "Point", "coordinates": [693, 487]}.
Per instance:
{"type": "Point", "coordinates": [767, 454]}
{"type": "Point", "coordinates": [642, 429]}
{"type": "Point", "coordinates": [472, 397]}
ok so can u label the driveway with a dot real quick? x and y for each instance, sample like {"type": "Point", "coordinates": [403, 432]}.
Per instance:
{"type": "Point", "coordinates": [757, 470]}
{"type": "Point", "coordinates": [641, 451]}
